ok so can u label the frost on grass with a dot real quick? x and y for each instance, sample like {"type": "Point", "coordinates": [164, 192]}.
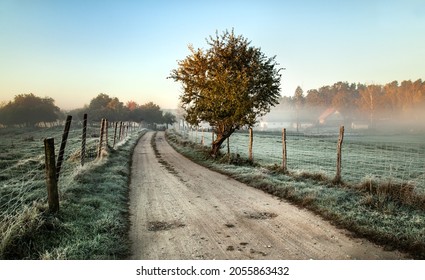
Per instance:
{"type": "Point", "coordinates": [92, 205]}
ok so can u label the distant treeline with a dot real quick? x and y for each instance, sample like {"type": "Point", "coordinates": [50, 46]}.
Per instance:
{"type": "Point", "coordinates": [405, 100]}
{"type": "Point", "coordinates": [360, 101]}
{"type": "Point", "coordinates": [30, 110]}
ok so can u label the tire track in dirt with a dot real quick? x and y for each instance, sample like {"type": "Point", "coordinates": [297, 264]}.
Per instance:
{"type": "Point", "coordinates": [180, 210]}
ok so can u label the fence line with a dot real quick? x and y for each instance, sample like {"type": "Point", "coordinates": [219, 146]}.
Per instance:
{"type": "Point", "coordinates": [63, 145]}
{"type": "Point", "coordinates": [284, 152]}
{"type": "Point", "coordinates": [23, 169]}
{"type": "Point", "coordinates": [84, 140]}
{"type": "Point", "coordinates": [396, 158]}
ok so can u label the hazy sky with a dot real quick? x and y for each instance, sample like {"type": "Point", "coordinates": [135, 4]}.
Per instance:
{"type": "Point", "coordinates": [73, 50]}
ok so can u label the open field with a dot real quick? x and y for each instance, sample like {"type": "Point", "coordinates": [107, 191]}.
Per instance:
{"type": "Point", "coordinates": [92, 197]}
{"type": "Point", "coordinates": [384, 158]}
{"type": "Point", "coordinates": [22, 177]}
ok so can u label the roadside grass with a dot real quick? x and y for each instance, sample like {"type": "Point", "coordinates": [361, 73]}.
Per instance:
{"type": "Point", "coordinates": [93, 220]}
{"type": "Point", "coordinates": [389, 214]}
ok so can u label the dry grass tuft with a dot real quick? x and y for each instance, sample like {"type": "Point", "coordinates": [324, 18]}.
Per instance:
{"type": "Point", "coordinates": [404, 193]}
{"type": "Point", "coordinates": [16, 229]}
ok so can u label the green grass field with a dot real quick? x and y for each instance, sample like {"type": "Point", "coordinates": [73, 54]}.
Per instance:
{"type": "Point", "coordinates": [396, 158]}
{"type": "Point", "coordinates": [93, 219]}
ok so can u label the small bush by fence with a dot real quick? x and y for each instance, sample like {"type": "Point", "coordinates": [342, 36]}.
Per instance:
{"type": "Point", "coordinates": [382, 158]}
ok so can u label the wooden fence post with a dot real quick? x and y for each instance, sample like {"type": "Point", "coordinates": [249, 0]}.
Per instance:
{"type": "Point", "coordinates": [83, 140]}
{"type": "Point", "coordinates": [120, 132]}
{"type": "Point", "coordinates": [115, 134]}
{"type": "Point", "coordinates": [284, 152]}
{"type": "Point", "coordinates": [102, 129]}
{"type": "Point", "coordinates": [106, 133]}
{"type": "Point", "coordinates": [51, 179]}
{"type": "Point", "coordinates": [63, 145]}
{"type": "Point", "coordinates": [251, 140]}
{"type": "Point", "coordinates": [228, 149]}
{"type": "Point", "coordinates": [339, 155]}
{"type": "Point", "coordinates": [212, 138]}
{"type": "Point", "coordinates": [202, 139]}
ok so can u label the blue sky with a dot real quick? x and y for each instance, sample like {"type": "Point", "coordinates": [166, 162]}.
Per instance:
{"type": "Point", "coordinates": [73, 50]}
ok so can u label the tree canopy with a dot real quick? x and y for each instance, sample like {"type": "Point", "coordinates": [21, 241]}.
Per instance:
{"type": "Point", "coordinates": [29, 110]}
{"type": "Point", "coordinates": [104, 106]}
{"type": "Point", "coordinates": [229, 85]}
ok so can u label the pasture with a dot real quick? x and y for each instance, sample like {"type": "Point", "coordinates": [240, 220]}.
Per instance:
{"type": "Point", "coordinates": [22, 177]}
{"type": "Point", "coordinates": [398, 158]}
{"type": "Point", "coordinates": [92, 197]}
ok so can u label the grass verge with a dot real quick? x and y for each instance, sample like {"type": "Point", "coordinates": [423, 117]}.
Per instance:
{"type": "Point", "coordinates": [93, 220]}
{"type": "Point", "coordinates": [388, 214]}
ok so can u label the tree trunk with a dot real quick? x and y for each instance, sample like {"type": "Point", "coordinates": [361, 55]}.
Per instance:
{"type": "Point", "coordinates": [215, 150]}
{"type": "Point", "coordinates": [219, 139]}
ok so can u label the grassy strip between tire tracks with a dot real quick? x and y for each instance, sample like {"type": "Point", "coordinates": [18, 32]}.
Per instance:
{"type": "Point", "coordinates": [93, 221]}
{"type": "Point", "coordinates": [387, 214]}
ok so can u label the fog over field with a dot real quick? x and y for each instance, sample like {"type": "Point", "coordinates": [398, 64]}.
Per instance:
{"type": "Point", "coordinates": [380, 108]}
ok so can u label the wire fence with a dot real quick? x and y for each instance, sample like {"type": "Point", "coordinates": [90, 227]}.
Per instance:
{"type": "Point", "coordinates": [394, 158]}
{"type": "Point", "coordinates": [22, 160]}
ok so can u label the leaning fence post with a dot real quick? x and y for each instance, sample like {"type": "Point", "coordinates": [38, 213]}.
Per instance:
{"type": "Point", "coordinates": [63, 145]}
{"type": "Point", "coordinates": [102, 129]}
{"type": "Point", "coordinates": [284, 152]}
{"type": "Point", "coordinates": [120, 132]}
{"type": "Point", "coordinates": [106, 132]}
{"type": "Point", "coordinates": [51, 179]}
{"type": "Point", "coordinates": [228, 149]}
{"type": "Point", "coordinates": [115, 134]}
{"type": "Point", "coordinates": [339, 154]}
{"type": "Point", "coordinates": [83, 140]}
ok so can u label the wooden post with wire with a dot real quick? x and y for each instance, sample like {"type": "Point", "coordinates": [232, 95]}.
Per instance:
{"type": "Point", "coordinates": [339, 155]}
{"type": "Point", "coordinates": [83, 140]}
{"type": "Point", "coordinates": [120, 132]}
{"type": "Point", "coordinates": [284, 151]}
{"type": "Point", "coordinates": [212, 138]}
{"type": "Point", "coordinates": [63, 145]}
{"type": "Point", "coordinates": [106, 133]}
{"type": "Point", "coordinates": [228, 149]}
{"type": "Point", "coordinates": [51, 178]}
{"type": "Point", "coordinates": [202, 139]}
{"type": "Point", "coordinates": [102, 130]}
{"type": "Point", "coordinates": [251, 140]}
{"type": "Point", "coordinates": [115, 134]}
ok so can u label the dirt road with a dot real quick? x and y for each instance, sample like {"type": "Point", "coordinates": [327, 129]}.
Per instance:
{"type": "Point", "coordinates": [180, 210]}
